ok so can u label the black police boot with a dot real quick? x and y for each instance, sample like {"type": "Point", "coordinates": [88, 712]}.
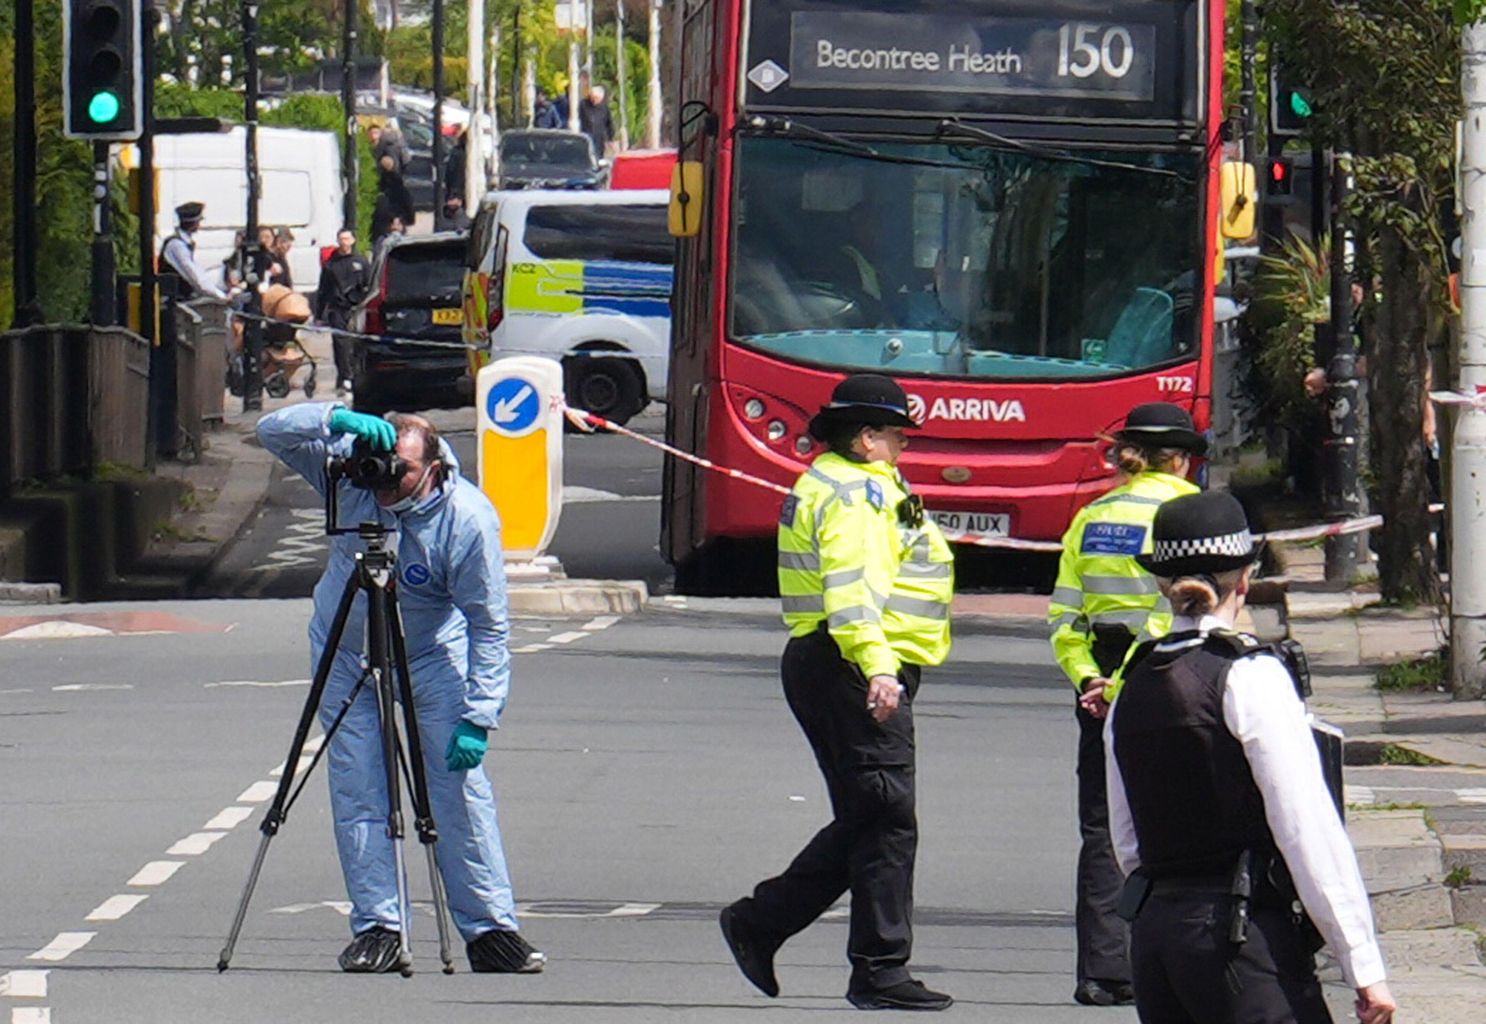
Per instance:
{"type": "Point", "coordinates": [755, 954]}
{"type": "Point", "coordinates": [905, 995]}
{"type": "Point", "coordinates": [374, 951]}
{"type": "Point", "coordinates": [1096, 992]}
{"type": "Point", "coordinates": [503, 952]}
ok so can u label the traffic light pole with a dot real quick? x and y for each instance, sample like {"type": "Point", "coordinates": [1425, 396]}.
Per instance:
{"type": "Point", "coordinates": [102, 310]}
{"type": "Point", "coordinates": [349, 161]}
{"type": "Point", "coordinates": [27, 306]}
{"type": "Point", "coordinates": [1340, 450]}
{"type": "Point", "coordinates": [1248, 93]}
{"type": "Point", "coordinates": [147, 277]}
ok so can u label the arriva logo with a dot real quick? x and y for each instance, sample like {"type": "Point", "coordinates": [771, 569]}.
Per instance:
{"type": "Point", "coordinates": [979, 409]}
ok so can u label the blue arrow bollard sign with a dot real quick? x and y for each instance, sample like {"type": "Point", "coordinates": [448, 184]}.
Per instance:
{"type": "Point", "coordinates": [513, 405]}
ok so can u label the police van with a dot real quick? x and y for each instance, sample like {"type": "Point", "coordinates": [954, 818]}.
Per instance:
{"type": "Point", "coordinates": [575, 276]}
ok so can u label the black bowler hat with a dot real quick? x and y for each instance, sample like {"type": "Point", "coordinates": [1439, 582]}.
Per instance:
{"type": "Point", "coordinates": [1200, 533]}
{"type": "Point", "coordinates": [189, 212]}
{"type": "Point", "coordinates": [1162, 425]}
{"type": "Point", "coordinates": [869, 399]}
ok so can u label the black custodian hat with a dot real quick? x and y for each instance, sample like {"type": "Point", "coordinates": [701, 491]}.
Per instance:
{"type": "Point", "coordinates": [1199, 533]}
{"type": "Point", "coordinates": [870, 399]}
{"type": "Point", "coordinates": [1162, 425]}
{"type": "Point", "coordinates": [189, 211]}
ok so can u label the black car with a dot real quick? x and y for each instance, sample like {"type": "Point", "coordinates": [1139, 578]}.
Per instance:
{"type": "Point", "coordinates": [548, 158]}
{"type": "Point", "coordinates": [417, 297]}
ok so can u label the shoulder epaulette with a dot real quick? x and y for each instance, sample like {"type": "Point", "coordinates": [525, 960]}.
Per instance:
{"type": "Point", "coordinates": [1233, 644]}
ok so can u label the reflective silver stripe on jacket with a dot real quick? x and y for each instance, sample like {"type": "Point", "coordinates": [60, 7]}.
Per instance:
{"type": "Point", "coordinates": [927, 570]}
{"type": "Point", "coordinates": [843, 577]}
{"type": "Point", "coordinates": [807, 560]}
{"type": "Point", "coordinates": [805, 604]}
{"type": "Point", "coordinates": [857, 613]}
{"type": "Point", "coordinates": [1068, 596]}
{"type": "Point", "coordinates": [1133, 499]}
{"type": "Point", "coordinates": [918, 606]}
{"type": "Point", "coordinates": [1134, 618]}
{"type": "Point", "coordinates": [1129, 586]}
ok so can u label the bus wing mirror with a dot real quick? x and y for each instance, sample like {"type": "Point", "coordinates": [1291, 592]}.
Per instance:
{"type": "Point", "coordinates": [1240, 200]}
{"type": "Point", "coordinates": [685, 217]}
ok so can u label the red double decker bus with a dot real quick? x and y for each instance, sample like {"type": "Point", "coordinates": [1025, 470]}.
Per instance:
{"type": "Point", "coordinates": [1009, 205]}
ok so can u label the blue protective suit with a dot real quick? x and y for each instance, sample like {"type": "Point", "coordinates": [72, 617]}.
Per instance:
{"type": "Point", "coordinates": [451, 590]}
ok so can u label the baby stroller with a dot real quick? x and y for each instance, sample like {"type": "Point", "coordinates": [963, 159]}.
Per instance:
{"type": "Point", "coordinates": [283, 355]}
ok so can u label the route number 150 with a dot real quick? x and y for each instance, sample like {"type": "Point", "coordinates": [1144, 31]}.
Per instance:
{"type": "Point", "coordinates": [1083, 51]}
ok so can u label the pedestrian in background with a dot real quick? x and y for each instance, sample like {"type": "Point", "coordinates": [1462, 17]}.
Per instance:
{"type": "Point", "coordinates": [451, 590]}
{"type": "Point", "coordinates": [178, 257]}
{"type": "Point", "coordinates": [1219, 808]}
{"type": "Point", "coordinates": [394, 201]}
{"type": "Point", "coordinates": [867, 582]}
{"type": "Point", "coordinates": [345, 280]}
{"type": "Point", "coordinates": [1102, 603]}
{"type": "Point", "coordinates": [455, 217]}
{"type": "Point", "coordinates": [283, 241]}
{"type": "Point", "coordinates": [595, 120]}
{"type": "Point", "coordinates": [544, 113]}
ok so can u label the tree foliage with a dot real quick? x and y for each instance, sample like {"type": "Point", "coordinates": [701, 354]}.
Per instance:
{"type": "Point", "coordinates": [1385, 83]}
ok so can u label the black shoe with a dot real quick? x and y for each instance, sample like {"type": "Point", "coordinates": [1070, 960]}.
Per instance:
{"type": "Point", "coordinates": [504, 952]}
{"type": "Point", "coordinates": [375, 951]}
{"type": "Point", "coordinates": [905, 995]}
{"type": "Point", "coordinates": [1094, 992]}
{"type": "Point", "coordinates": [755, 955]}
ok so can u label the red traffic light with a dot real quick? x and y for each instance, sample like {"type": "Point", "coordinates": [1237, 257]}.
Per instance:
{"type": "Point", "coordinates": [1281, 171]}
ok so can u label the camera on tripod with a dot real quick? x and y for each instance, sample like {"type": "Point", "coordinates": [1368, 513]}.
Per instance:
{"type": "Point", "coordinates": [366, 467]}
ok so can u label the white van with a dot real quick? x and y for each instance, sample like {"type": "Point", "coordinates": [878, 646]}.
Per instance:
{"type": "Point", "coordinates": [571, 275]}
{"type": "Point", "coordinates": [300, 175]}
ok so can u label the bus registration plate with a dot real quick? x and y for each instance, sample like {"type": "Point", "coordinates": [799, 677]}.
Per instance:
{"type": "Point", "coordinates": [985, 524]}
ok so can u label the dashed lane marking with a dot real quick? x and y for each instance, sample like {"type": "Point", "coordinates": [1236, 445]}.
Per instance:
{"type": "Point", "coordinates": [230, 818]}
{"type": "Point", "coordinates": [116, 907]}
{"type": "Point", "coordinates": [85, 687]}
{"type": "Point", "coordinates": [602, 622]}
{"type": "Point", "coordinates": [24, 984]}
{"type": "Point", "coordinates": [31, 1015]}
{"type": "Point", "coordinates": [156, 872]}
{"type": "Point", "coordinates": [567, 638]}
{"type": "Point", "coordinates": [258, 792]}
{"type": "Point", "coordinates": [195, 843]}
{"type": "Point", "coordinates": [63, 946]}
{"type": "Point", "coordinates": [529, 649]}
{"type": "Point", "coordinates": [252, 682]}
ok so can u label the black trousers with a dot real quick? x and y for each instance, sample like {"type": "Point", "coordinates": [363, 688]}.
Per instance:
{"type": "Point", "coordinates": [869, 846]}
{"type": "Point", "coordinates": [1102, 937]}
{"type": "Point", "coordinates": [1187, 972]}
{"type": "Point", "coordinates": [339, 320]}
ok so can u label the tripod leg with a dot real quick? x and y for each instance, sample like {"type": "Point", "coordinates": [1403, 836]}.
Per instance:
{"type": "Point", "coordinates": [278, 810]}
{"type": "Point", "coordinates": [381, 667]}
{"type": "Point", "coordinates": [428, 833]}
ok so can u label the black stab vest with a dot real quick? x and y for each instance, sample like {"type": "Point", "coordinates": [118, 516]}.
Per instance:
{"type": "Point", "coordinates": [1193, 799]}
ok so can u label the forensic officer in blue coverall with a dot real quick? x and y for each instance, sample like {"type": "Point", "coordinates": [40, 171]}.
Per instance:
{"type": "Point", "coordinates": [452, 595]}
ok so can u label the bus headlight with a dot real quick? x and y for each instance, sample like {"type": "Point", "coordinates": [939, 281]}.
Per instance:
{"type": "Point", "coordinates": [777, 430]}
{"type": "Point", "coordinates": [753, 408]}
{"type": "Point", "coordinates": [803, 445]}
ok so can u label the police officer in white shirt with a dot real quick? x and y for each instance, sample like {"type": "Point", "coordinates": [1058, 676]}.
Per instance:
{"type": "Point", "coordinates": [178, 256]}
{"type": "Point", "coordinates": [1219, 810]}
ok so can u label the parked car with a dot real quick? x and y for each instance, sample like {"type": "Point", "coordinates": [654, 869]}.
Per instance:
{"type": "Point", "coordinates": [548, 158]}
{"type": "Point", "coordinates": [583, 277]}
{"type": "Point", "coordinates": [642, 168]}
{"type": "Point", "coordinates": [417, 297]}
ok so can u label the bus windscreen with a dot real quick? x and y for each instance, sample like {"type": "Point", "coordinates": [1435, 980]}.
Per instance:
{"type": "Point", "coordinates": [967, 260]}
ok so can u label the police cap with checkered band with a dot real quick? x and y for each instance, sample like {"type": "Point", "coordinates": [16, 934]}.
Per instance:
{"type": "Point", "coordinates": [1197, 534]}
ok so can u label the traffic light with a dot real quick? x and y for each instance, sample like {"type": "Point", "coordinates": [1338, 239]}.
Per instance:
{"type": "Point", "coordinates": [101, 79]}
{"type": "Point", "coordinates": [1280, 181]}
{"type": "Point", "coordinates": [1290, 103]}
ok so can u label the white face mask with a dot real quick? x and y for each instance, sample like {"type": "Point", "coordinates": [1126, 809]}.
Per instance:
{"type": "Point", "coordinates": [406, 504]}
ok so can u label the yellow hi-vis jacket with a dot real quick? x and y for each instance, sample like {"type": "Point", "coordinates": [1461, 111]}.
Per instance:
{"type": "Point", "coordinates": [883, 589]}
{"type": "Point", "coordinates": [1099, 582]}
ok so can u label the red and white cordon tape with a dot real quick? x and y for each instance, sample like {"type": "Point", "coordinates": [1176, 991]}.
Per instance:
{"type": "Point", "coordinates": [588, 422]}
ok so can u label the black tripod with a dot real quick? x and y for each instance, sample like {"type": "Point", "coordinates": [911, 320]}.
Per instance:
{"type": "Point", "coordinates": [387, 651]}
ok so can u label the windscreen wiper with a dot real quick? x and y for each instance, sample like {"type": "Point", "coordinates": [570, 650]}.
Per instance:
{"type": "Point", "coordinates": [950, 126]}
{"type": "Point", "coordinates": [784, 126]}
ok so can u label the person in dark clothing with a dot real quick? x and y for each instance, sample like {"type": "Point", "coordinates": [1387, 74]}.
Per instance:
{"type": "Point", "coordinates": [595, 121]}
{"type": "Point", "coordinates": [455, 216]}
{"type": "Point", "coordinates": [344, 281]}
{"type": "Point", "coordinates": [545, 113]}
{"type": "Point", "coordinates": [393, 200]}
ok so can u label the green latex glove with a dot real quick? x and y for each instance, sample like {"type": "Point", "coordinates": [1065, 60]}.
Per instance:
{"type": "Point", "coordinates": [372, 429]}
{"type": "Point", "coordinates": [466, 747]}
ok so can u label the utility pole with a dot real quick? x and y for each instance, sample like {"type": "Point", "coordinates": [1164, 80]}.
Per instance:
{"type": "Point", "coordinates": [474, 148]}
{"type": "Point", "coordinates": [653, 110]}
{"type": "Point", "coordinates": [1341, 447]}
{"type": "Point", "coordinates": [621, 86]}
{"type": "Point", "coordinates": [252, 327]}
{"type": "Point", "coordinates": [149, 302]}
{"type": "Point", "coordinates": [588, 39]}
{"type": "Point", "coordinates": [349, 163]}
{"type": "Point", "coordinates": [1467, 514]}
{"type": "Point", "coordinates": [23, 267]}
{"type": "Point", "coordinates": [1248, 95]}
{"type": "Point", "coordinates": [573, 82]}
{"type": "Point", "coordinates": [438, 115]}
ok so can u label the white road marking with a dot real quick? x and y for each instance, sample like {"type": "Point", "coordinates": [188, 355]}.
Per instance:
{"type": "Point", "coordinates": [304, 762]}
{"type": "Point", "coordinates": [57, 630]}
{"type": "Point", "coordinates": [63, 946]}
{"type": "Point", "coordinates": [567, 638]}
{"type": "Point", "coordinates": [196, 842]}
{"type": "Point", "coordinates": [79, 687]}
{"type": "Point", "coordinates": [230, 818]}
{"type": "Point", "coordinates": [156, 872]}
{"type": "Point", "coordinates": [31, 1015]}
{"type": "Point", "coordinates": [602, 622]}
{"type": "Point", "coordinates": [301, 543]}
{"type": "Point", "coordinates": [116, 907]}
{"type": "Point", "coordinates": [253, 682]}
{"type": "Point", "coordinates": [634, 909]}
{"type": "Point", "coordinates": [591, 496]}
{"type": "Point", "coordinates": [341, 907]}
{"type": "Point", "coordinates": [529, 649]}
{"type": "Point", "coordinates": [23, 689]}
{"type": "Point", "coordinates": [258, 792]}
{"type": "Point", "coordinates": [24, 984]}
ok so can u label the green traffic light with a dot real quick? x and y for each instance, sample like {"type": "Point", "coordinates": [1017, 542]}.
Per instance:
{"type": "Point", "coordinates": [1300, 105]}
{"type": "Point", "coordinates": [104, 107]}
